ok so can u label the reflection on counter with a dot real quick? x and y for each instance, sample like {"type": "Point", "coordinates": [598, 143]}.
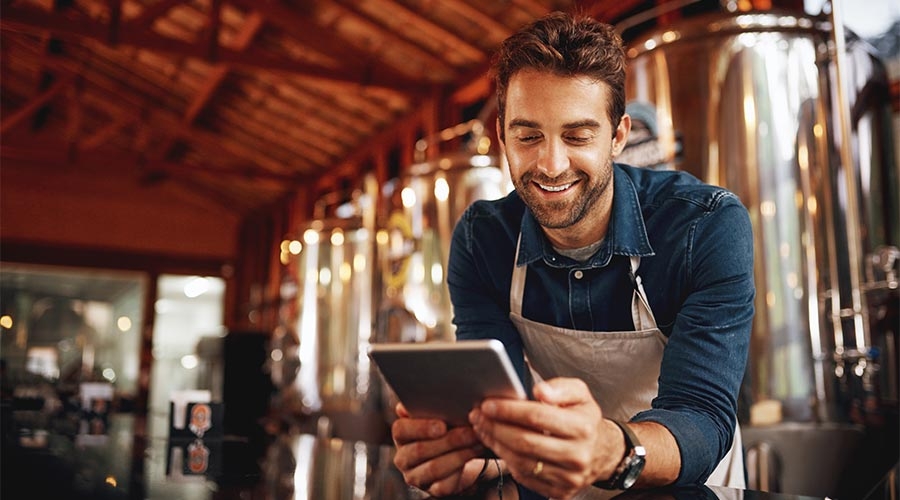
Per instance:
{"type": "Point", "coordinates": [288, 465]}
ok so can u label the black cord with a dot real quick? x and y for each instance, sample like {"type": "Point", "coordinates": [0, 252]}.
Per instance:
{"type": "Point", "coordinates": [500, 481]}
{"type": "Point", "coordinates": [483, 470]}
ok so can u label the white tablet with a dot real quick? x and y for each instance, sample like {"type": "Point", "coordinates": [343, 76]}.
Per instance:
{"type": "Point", "coordinates": [445, 380]}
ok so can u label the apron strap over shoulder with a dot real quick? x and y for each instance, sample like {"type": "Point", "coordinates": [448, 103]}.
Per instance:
{"type": "Point", "coordinates": [641, 314]}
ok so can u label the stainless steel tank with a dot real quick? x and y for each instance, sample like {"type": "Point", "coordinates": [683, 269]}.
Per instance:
{"type": "Point", "coordinates": [306, 467]}
{"type": "Point", "coordinates": [750, 98]}
{"type": "Point", "coordinates": [336, 302]}
{"type": "Point", "coordinates": [748, 101]}
{"type": "Point", "coordinates": [423, 206]}
{"type": "Point", "coordinates": [375, 274]}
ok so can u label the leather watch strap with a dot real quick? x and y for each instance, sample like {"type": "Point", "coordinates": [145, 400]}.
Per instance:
{"type": "Point", "coordinates": [632, 463]}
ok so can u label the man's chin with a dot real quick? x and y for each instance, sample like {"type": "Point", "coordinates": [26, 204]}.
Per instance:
{"type": "Point", "coordinates": [553, 218]}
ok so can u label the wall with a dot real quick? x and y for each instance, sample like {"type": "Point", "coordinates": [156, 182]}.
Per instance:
{"type": "Point", "coordinates": [60, 208]}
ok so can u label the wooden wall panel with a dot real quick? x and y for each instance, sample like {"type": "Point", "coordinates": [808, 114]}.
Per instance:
{"type": "Point", "coordinates": [72, 209]}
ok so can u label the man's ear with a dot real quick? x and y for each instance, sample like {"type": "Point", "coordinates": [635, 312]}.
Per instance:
{"type": "Point", "coordinates": [620, 139]}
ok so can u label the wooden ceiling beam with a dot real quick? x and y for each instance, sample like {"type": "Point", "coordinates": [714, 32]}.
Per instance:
{"type": "Point", "coordinates": [35, 104]}
{"type": "Point", "coordinates": [213, 28]}
{"type": "Point", "coordinates": [217, 75]}
{"type": "Point", "coordinates": [220, 71]}
{"type": "Point", "coordinates": [390, 39]}
{"type": "Point", "coordinates": [29, 19]}
{"type": "Point", "coordinates": [150, 14]}
{"type": "Point", "coordinates": [534, 10]}
{"type": "Point", "coordinates": [606, 11]}
{"type": "Point", "coordinates": [166, 122]}
{"type": "Point", "coordinates": [50, 155]}
{"type": "Point", "coordinates": [396, 10]}
{"type": "Point", "coordinates": [497, 29]}
{"type": "Point", "coordinates": [306, 31]}
{"type": "Point", "coordinates": [363, 65]}
{"type": "Point", "coordinates": [104, 134]}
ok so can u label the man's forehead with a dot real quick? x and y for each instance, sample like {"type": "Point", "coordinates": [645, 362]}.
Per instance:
{"type": "Point", "coordinates": [534, 75]}
{"type": "Point", "coordinates": [526, 84]}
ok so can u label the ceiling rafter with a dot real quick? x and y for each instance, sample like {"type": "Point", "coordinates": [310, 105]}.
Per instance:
{"type": "Point", "coordinates": [101, 136]}
{"type": "Point", "coordinates": [404, 15]}
{"type": "Point", "coordinates": [251, 27]}
{"type": "Point", "coordinates": [494, 28]}
{"type": "Point", "coordinates": [149, 15]}
{"type": "Point", "coordinates": [33, 20]}
{"type": "Point", "coordinates": [157, 119]}
{"type": "Point", "coordinates": [395, 42]}
{"type": "Point", "coordinates": [609, 11]}
{"type": "Point", "coordinates": [220, 71]}
{"type": "Point", "coordinates": [361, 63]}
{"type": "Point", "coordinates": [36, 103]}
{"type": "Point", "coordinates": [241, 102]}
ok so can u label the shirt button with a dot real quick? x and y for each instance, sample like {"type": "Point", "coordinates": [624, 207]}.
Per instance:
{"type": "Point", "coordinates": [579, 275]}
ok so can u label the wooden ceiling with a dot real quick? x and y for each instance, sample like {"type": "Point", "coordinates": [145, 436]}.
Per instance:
{"type": "Point", "coordinates": [242, 102]}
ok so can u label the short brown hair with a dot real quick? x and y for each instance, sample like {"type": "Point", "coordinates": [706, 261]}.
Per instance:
{"type": "Point", "coordinates": [565, 45]}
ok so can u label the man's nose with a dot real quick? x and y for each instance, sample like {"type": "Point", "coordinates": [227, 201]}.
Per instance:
{"type": "Point", "coordinates": [554, 159]}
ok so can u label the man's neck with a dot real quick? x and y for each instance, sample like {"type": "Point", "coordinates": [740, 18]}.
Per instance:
{"type": "Point", "coordinates": [571, 238]}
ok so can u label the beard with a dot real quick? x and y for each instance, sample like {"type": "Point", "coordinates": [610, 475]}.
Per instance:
{"type": "Point", "coordinates": [560, 214]}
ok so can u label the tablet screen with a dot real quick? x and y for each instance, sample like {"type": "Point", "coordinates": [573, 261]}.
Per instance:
{"type": "Point", "coordinates": [445, 380]}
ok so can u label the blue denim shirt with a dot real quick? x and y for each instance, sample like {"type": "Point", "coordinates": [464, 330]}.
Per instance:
{"type": "Point", "coordinates": [695, 242]}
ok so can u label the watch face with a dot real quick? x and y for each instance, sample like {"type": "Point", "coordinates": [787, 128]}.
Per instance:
{"type": "Point", "coordinates": [635, 466]}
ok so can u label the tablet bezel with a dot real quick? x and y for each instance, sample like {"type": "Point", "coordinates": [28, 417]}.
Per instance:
{"type": "Point", "coordinates": [446, 380]}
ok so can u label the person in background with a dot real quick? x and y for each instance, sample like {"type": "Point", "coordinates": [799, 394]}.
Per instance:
{"type": "Point", "coordinates": [624, 296]}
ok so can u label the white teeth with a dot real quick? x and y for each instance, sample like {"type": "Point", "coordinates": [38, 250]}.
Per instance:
{"type": "Point", "coordinates": [555, 188]}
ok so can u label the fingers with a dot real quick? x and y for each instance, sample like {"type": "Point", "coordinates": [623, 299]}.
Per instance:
{"type": "Point", "coordinates": [547, 479]}
{"type": "Point", "coordinates": [401, 411]}
{"type": "Point", "coordinates": [405, 430]}
{"type": "Point", "coordinates": [571, 422]}
{"type": "Point", "coordinates": [463, 480]}
{"type": "Point", "coordinates": [559, 431]}
{"type": "Point", "coordinates": [428, 452]}
{"type": "Point", "coordinates": [563, 392]}
{"type": "Point", "coordinates": [442, 475]}
{"type": "Point", "coordinates": [502, 435]}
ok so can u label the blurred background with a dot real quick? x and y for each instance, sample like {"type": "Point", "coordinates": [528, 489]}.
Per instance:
{"type": "Point", "coordinates": [238, 197]}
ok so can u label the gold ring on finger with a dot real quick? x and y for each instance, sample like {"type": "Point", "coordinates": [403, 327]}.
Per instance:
{"type": "Point", "coordinates": [538, 468]}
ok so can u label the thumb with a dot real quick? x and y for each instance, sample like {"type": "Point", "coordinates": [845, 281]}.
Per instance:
{"type": "Point", "coordinates": [563, 391]}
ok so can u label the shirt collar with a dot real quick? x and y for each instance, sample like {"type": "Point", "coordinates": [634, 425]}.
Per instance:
{"type": "Point", "coordinates": [627, 234]}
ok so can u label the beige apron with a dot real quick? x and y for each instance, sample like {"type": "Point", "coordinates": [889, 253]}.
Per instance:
{"type": "Point", "coordinates": [621, 368]}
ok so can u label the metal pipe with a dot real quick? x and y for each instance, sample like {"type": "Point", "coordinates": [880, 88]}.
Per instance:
{"type": "Point", "coordinates": [854, 244]}
{"type": "Point", "coordinates": [475, 126]}
{"type": "Point", "coordinates": [652, 13]}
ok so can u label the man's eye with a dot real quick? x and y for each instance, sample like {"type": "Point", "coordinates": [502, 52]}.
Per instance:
{"type": "Point", "coordinates": [529, 138]}
{"type": "Point", "coordinates": [578, 139]}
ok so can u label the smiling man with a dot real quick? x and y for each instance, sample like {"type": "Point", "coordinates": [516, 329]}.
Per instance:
{"type": "Point", "coordinates": [624, 296]}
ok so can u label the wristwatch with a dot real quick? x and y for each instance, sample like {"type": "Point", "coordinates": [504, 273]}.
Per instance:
{"type": "Point", "coordinates": [631, 465]}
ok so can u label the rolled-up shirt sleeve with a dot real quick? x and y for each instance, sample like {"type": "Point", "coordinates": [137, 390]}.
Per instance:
{"type": "Point", "coordinates": [706, 353]}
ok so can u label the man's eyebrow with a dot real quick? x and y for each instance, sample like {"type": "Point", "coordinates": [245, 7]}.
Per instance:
{"type": "Point", "coordinates": [521, 122]}
{"type": "Point", "coordinates": [588, 123]}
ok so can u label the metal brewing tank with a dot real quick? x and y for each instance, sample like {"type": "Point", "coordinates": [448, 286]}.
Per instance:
{"type": "Point", "coordinates": [747, 101]}
{"type": "Point", "coordinates": [376, 274]}
{"type": "Point", "coordinates": [423, 206]}
{"type": "Point", "coordinates": [336, 302]}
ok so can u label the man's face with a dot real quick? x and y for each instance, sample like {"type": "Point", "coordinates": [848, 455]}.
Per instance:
{"type": "Point", "coordinates": [560, 145]}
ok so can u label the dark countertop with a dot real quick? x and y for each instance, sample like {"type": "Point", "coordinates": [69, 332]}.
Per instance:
{"type": "Point", "coordinates": [120, 465]}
